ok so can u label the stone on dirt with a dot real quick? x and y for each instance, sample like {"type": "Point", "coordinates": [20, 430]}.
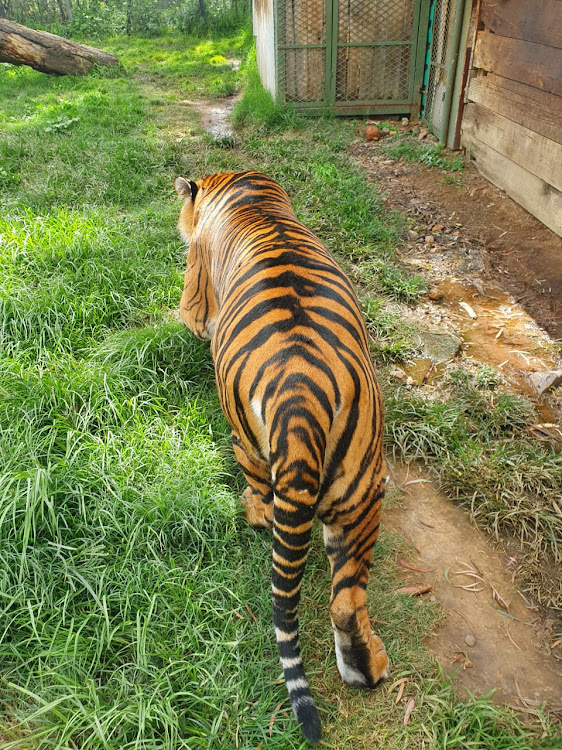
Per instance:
{"type": "Point", "coordinates": [435, 294]}
{"type": "Point", "coordinates": [439, 346]}
{"type": "Point", "coordinates": [544, 381]}
{"type": "Point", "coordinates": [372, 132]}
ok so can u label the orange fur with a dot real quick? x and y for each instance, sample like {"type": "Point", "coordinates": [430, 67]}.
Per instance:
{"type": "Point", "coordinates": [297, 385]}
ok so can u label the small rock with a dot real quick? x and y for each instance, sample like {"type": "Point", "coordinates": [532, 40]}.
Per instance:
{"type": "Point", "coordinates": [429, 238]}
{"type": "Point", "coordinates": [412, 234]}
{"type": "Point", "coordinates": [437, 345]}
{"type": "Point", "coordinates": [470, 640]}
{"type": "Point", "coordinates": [435, 294]}
{"type": "Point", "coordinates": [385, 131]}
{"type": "Point", "coordinates": [410, 381]}
{"type": "Point", "coordinates": [543, 381]}
{"type": "Point", "coordinates": [398, 373]}
{"type": "Point", "coordinates": [424, 132]}
{"type": "Point", "coordinates": [405, 122]}
{"type": "Point", "coordinates": [373, 133]}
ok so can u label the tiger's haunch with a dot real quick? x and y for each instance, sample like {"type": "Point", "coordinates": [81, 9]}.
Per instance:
{"type": "Point", "coordinates": [297, 385]}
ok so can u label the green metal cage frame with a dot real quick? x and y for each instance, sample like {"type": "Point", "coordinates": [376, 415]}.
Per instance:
{"type": "Point", "coordinates": [409, 105]}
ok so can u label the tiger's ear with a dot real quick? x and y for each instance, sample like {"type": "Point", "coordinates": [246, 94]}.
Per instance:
{"type": "Point", "coordinates": [185, 188]}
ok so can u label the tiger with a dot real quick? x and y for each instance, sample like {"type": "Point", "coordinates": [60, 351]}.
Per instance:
{"type": "Point", "coordinates": [298, 387]}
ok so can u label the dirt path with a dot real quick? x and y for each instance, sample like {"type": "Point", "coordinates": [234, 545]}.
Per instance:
{"type": "Point", "coordinates": [492, 638]}
{"type": "Point", "coordinates": [476, 229]}
{"type": "Point", "coordinates": [497, 276]}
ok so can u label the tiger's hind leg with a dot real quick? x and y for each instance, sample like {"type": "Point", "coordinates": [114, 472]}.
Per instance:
{"type": "Point", "coordinates": [257, 498]}
{"type": "Point", "coordinates": [361, 656]}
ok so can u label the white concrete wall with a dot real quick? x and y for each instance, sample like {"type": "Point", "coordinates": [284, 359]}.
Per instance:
{"type": "Point", "coordinates": [264, 31]}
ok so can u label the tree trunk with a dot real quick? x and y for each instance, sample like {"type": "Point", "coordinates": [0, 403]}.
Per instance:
{"type": "Point", "coordinates": [203, 11]}
{"type": "Point", "coordinates": [47, 52]}
{"type": "Point", "coordinates": [65, 9]}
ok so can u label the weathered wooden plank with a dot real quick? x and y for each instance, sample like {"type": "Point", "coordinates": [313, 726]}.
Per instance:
{"type": "Point", "coordinates": [537, 21]}
{"type": "Point", "coordinates": [535, 153]}
{"type": "Point", "coordinates": [535, 195]}
{"type": "Point", "coordinates": [527, 62]}
{"type": "Point", "coordinates": [534, 109]}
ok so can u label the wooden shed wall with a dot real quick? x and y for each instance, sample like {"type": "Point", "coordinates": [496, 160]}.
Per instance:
{"type": "Point", "coordinates": [512, 123]}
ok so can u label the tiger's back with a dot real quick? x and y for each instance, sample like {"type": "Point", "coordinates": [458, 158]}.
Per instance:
{"type": "Point", "coordinates": [298, 387]}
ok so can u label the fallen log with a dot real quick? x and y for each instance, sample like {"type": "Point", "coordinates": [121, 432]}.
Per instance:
{"type": "Point", "coordinates": [48, 53]}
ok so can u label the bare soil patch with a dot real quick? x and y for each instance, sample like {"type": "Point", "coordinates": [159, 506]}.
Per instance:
{"type": "Point", "coordinates": [479, 228]}
{"type": "Point", "coordinates": [492, 639]}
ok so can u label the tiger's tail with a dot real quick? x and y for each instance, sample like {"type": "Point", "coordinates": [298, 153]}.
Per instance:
{"type": "Point", "coordinates": [290, 548]}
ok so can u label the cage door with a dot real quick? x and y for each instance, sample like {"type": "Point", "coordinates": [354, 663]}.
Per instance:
{"type": "Point", "coordinates": [375, 54]}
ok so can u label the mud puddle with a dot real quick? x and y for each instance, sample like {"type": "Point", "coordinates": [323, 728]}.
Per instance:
{"type": "Point", "coordinates": [495, 330]}
{"type": "Point", "coordinates": [215, 116]}
{"type": "Point", "coordinates": [492, 638]}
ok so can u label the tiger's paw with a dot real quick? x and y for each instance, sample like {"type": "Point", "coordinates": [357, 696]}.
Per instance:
{"type": "Point", "coordinates": [257, 513]}
{"type": "Point", "coordinates": [362, 665]}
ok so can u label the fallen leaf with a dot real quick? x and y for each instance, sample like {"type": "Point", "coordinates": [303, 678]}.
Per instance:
{"type": "Point", "coordinates": [413, 567]}
{"type": "Point", "coordinates": [409, 709]}
{"type": "Point", "coordinates": [273, 715]}
{"type": "Point", "coordinates": [466, 620]}
{"type": "Point", "coordinates": [414, 590]}
{"type": "Point", "coordinates": [469, 573]}
{"type": "Point", "coordinates": [252, 615]}
{"type": "Point", "coordinates": [505, 614]}
{"type": "Point", "coordinates": [401, 690]}
{"type": "Point", "coordinates": [378, 622]}
{"type": "Point", "coordinates": [469, 310]}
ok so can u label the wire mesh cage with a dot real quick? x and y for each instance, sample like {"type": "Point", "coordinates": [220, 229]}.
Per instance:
{"type": "Point", "coordinates": [444, 41]}
{"type": "Point", "coordinates": [374, 50]}
{"type": "Point", "coordinates": [302, 43]}
{"type": "Point", "coordinates": [346, 53]}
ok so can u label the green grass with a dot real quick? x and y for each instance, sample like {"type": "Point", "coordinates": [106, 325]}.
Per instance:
{"type": "Point", "coordinates": [473, 436]}
{"type": "Point", "coordinates": [408, 148]}
{"type": "Point", "coordinates": [127, 575]}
